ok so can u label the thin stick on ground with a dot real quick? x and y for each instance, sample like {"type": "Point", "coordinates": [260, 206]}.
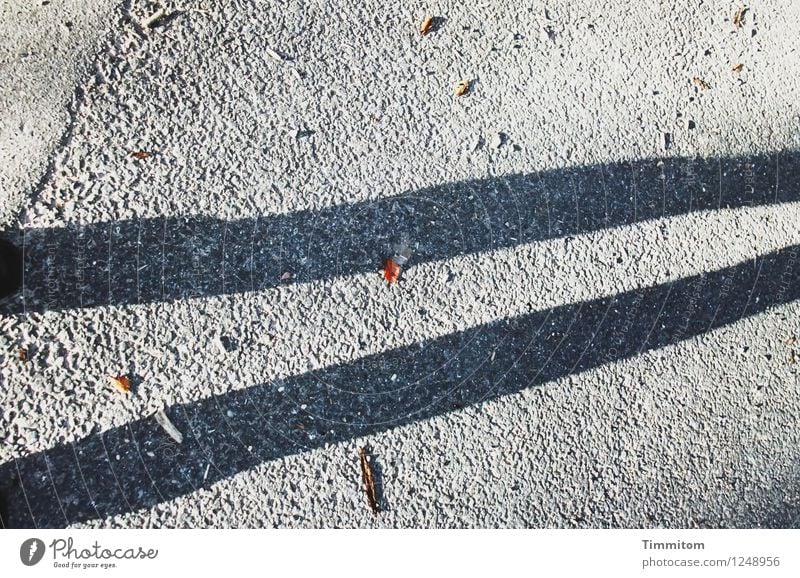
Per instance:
{"type": "Point", "coordinates": [369, 480]}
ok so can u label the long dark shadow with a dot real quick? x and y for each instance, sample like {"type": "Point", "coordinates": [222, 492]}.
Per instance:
{"type": "Point", "coordinates": [167, 259]}
{"type": "Point", "coordinates": [137, 466]}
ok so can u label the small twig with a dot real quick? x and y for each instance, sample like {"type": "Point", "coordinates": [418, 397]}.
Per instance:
{"type": "Point", "coordinates": [197, 11]}
{"type": "Point", "coordinates": [161, 14]}
{"type": "Point", "coordinates": [274, 55]}
{"type": "Point", "coordinates": [151, 20]}
{"type": "Point", "coordinates": [369, 480]}
{"type": "Point", "coordinates": [738, 18]}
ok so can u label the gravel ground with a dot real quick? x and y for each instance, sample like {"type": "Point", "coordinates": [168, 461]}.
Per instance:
{"type": "Point", "coordinates": [46, 52]}
{"type": "Point", "coordinates": [595, 327]}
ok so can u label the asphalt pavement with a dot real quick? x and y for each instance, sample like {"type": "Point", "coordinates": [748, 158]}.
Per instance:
{"type": "Point", "coordinates": [596, 325]}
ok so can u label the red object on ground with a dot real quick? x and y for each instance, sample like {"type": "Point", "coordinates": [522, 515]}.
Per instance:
{"type": "Point", "coordinates": [391, 271]}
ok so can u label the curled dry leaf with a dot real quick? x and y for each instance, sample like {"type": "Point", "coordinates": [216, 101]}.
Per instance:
{"type": "Point", "coordinates": [738, 18]}
{"type": "Point", "coordinates": [22, 354]}
{"type": "Point", "coordinates": [369, 480]}
{"type": "Point", "coordinates": [790, 340]}
{"type": "Point", "coordinates": [426, 26]}
{"type": "Point", "coordinates": [140, 155]}
{"type": "Point", "coordinates": [121, 383]}
{"type": "Point", "coordinates": [169, 427]}
{"type": "Point", "coordinates": [391, 271]}
{"type": "Point", "coordinates": [462, 88]}
{"type": "Point", "coordinates": [700, 83]}
{"type": "Point", "coordinates": [737, 68]}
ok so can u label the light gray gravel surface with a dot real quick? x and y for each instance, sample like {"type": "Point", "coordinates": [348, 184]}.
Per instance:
{"type": "Point", "coordinates": [594, 328]}
{"type": "Point", "coordinates": [46, 52]}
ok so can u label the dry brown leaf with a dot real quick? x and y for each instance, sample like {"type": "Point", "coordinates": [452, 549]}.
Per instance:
{"type": "Point", "coordinates": [790, 340]}
{"type": "Point", "coordinates": [700, 83]}
{"type": "Point", "coordinates": [140, 155]}
{"type": "Point", "coordinates": [22, 354]}
{"type": "Point", "coordinates": [121, 383]}
{"type": "Point", "coordinates": [462, 88]}
{"type": "Point", "coordinates": [738, 18]}
{"type": "Point", "coordinates": [737, 68]}
{"type": "Point", "coordinates": [426, 26]}
{"type": "Point", "coordinates": [369, 480]}
{"type": "Point", "coordinates": [391, 271]}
